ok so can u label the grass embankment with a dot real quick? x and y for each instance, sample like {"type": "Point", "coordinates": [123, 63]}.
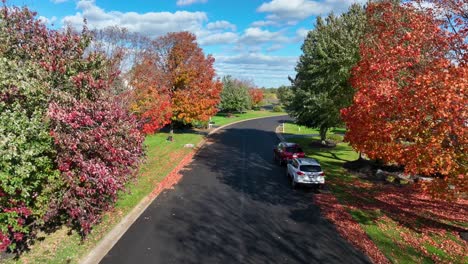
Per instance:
{"type": "Point", "coordinates": [162, 157]}
{"type": "Point", "coordinates": [406, 225]}
{"type": "Point", "coordinates": [290, 128]}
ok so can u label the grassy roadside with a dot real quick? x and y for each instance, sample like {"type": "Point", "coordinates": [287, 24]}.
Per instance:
{"type": "Point", "coordinates": [290, 128]}
{"type": "Point", "coordinates": [405, 225]}
{"type": "Point", "coordinates": [222, 119]}
{"type": "Point", "coordinates": [162, 157]}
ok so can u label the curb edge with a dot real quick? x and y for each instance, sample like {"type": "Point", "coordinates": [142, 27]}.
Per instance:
{"type": "Point", "coordinates": [106, 243]}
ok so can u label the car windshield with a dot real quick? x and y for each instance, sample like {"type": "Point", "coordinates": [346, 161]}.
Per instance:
{"type": "Point", "coordinates": [310, 168]}
{"type": "Point", "coordinates": [293, 149]}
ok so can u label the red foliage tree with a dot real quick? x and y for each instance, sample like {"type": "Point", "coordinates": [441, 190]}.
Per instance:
{"type": "Point", "coordinates": [95, 145]}
{"type": "Point", "coordinates": [410, 103]}
{"type": "Point", "coordinates": [256, 95]}
{"type": "Point", "coordinates": [176, 68]}
{"type": "Point", "coordinates": [98, 144]}
{"type": "Point", "coordinates": [149, 101]}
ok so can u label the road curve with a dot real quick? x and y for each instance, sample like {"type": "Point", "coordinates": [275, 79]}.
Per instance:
{"type": "Point", "coordinates": [234, 205]}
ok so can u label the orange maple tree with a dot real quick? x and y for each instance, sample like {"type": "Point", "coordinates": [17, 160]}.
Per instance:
{"type": "Point", "coordinates": [410, 101]}
{"type": "Point", "coordinates": [150, 101]}
{"type": "Point", "coordinates": [175, 82]}
{"type": "Point", "coordinates": [256, 95]}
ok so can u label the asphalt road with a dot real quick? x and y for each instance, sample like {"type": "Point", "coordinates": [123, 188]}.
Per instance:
{"type": "Point", "coordinates": [234, 205]}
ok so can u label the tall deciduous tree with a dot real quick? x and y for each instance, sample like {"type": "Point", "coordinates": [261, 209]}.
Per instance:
{"type": "Point", "coordinates": [186, 75]}
{"type": "Point", "coordinates": [410, 102]}
{"type": "Point", "coordinates": [321, 88]}
{"type": "Point", "coordinates": [151, 102]}
{"type": "Point", "coordinates": [256, 96]}
{"type": "Point", "coordinates": [234, 96]}
{"type": "Point", "coordinates": [122, 49]}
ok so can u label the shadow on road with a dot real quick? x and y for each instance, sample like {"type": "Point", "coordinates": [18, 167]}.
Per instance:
{"type": "Point", "coordinates": [234, 205]}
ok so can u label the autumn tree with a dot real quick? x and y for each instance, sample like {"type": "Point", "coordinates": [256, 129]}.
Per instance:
{"type": "Point", "coordinates": [67, 145]}
{"type": "Point", "coordinates": [256, 96]}
{"type": "Point", "coordinates": [410, 101]}
{"type": "Point", "coordinates": [181, 71]}
{"type": "Point", "coordinates": [122, 49]}
{"type": "Point", "coordinates": [321, 88]}
{"type": "Point", "coordinates": [235, 95]}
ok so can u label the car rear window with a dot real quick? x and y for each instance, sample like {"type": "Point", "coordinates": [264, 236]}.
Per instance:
{"type": "Point", "coordinates": [293, 149]}
{"type": "Point", "coordinates": [310, 168]}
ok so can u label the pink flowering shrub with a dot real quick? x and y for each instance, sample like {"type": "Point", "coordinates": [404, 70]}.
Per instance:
{"type": "Point", "coordinates": [67, 143]}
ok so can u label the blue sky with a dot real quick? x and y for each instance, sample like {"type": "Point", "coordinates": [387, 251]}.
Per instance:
{"type": "Point", "coordinates": [258, 40]}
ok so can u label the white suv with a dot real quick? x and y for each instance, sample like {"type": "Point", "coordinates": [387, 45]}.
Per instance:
{"type": "Point", "coordinates": [306, 171]}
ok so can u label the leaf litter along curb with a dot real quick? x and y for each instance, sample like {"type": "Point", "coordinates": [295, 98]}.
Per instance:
{"type": "Point", "coordinates": [174, 176]}
{"type": "Point", "coordinates": [348, 227]}
{"type": "Point", "coordinates": [433, 230]}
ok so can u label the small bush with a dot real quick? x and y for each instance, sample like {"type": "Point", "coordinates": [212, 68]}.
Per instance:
{"type": "Point", "coordinates": [277, 109]}
{"type": "Point", "coordinates": [336, 138]}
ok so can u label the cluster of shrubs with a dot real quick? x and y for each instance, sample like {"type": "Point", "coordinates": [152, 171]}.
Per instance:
{"type": "Point", "coordinates": [67, 143]}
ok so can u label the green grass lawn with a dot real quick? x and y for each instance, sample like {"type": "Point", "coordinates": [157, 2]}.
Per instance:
{"type": "Point", "coordinates": [223, 119]}
{"type": "Point", "coordinates": [291, 128]}
{"type": "Point", "coordinates": [333, 133]}
{"type": "Point", "coordinates": [384, 228]}
{"type": "Point", "coordinates": [162, 157]}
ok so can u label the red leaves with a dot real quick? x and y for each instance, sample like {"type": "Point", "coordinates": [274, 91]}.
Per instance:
{"type": "Point", "coordinates": [410, 104]}
{"type": "Point", "coordinates": [347, 227]}
{"type": "Point", "coordinates": [174, 81]}
{"type": "Point", "coordinates": [256, 96]}
{"type": "Point", "coordinates": [96, 156]}
{"type": "Point", "coordinates": [4, 242]}
{"type": "Point", "coordinates": [419, 219]}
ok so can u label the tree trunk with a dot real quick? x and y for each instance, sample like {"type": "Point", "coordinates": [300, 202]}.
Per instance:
{"type": "Point", "coordinates": [323, 134]}
{"type": "Point", "coordinates": [172, 128]}
{"type": "Point", "coordinates": [360, 156]}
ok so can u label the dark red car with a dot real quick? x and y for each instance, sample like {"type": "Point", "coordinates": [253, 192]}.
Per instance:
{"type": "Point", "coordinates": [286, 151]}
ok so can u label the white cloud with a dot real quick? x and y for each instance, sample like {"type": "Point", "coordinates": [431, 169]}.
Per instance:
{"type": "Point", "coordinates": [302, 33]}
{"type": "Point", "coordinates": [189, 2]}
{"type": "Point", "coordinates": [218, 38]}
{"type": "Point", "coordinates": [255, 35]}
{"type": "Point", "coordinates": [270, 71]}
{"type": "Point", "coordinates": [151, 23]}
{"type": "Point", "coordinates": [221, 25]}
{"type": "Point", "coordinates": [296, 10]}
{"type": "Point", "coordinates": [258, 59]}
{"type": "Point", "coordinates": [46, 20]}
{"type": "Point", "coordinates": [263, 23]}
{"type": "Point", "coordinates": [274, 47]}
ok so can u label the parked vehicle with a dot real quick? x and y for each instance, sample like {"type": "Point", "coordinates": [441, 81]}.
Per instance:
{"type": "Point", "coordinates": [286, 151]}
{"type": "Point", "coordinates": [305, 171]}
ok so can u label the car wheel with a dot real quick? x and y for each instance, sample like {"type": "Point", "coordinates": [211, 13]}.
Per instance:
{"type": "Point", "coordinates": [293, 183]}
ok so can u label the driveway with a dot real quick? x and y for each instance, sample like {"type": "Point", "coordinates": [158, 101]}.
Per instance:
{"type": "Point", "coordinates": [234, 205]}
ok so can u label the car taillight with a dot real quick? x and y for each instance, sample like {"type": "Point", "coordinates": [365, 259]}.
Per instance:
{"type": "Point", "coordinates": [300, 173]}
{"type": "Point", "coordinates": [322, 173]}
